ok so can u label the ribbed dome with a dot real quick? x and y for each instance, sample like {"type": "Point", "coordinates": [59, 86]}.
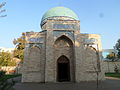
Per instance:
{"type": "Point", "coordinates": [60, 11]}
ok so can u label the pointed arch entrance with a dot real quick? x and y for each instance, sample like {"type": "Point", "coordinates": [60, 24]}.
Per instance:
{"type": "Point", "coordinates": [63, 69]}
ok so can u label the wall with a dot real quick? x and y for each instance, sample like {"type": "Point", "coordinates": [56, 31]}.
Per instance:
{"type": "Point", "coordinates": [34, 59]}
{"type": "Point", "coordinates": [110, 66]}
{"type": "Point", "coordinates": [86, 59]}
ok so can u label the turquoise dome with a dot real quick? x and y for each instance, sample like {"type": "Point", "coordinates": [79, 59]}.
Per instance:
{"type": "Point", "coordinates": [60, 11]}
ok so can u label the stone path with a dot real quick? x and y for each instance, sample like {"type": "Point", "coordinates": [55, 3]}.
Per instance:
{"type": "Point", "coordinates": [105, 85]}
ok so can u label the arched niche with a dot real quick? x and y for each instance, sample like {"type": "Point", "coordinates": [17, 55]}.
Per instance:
{"type": "Point", "coordinates": [63, 41]}
{"type": "Point", "coordinates": [92, 58]}
{"type": "Point", "coordinates": [63, 46]}
{"type": "Point", "coordinates": [34, 59]}
{"type": "Point", "coordinates": [63, 69]}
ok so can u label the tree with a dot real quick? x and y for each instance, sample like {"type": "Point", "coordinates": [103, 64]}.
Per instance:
{"type": "Point", "coordinates": [6, 59]}
{"type": "Point", "coordinates": [117, 47]}
{"type": "Point", "coordinates": [1, 9]}
{"type": "Point", "coordinates": [20, 45]}
{"type": "Point", "coordinates": [111, 56]}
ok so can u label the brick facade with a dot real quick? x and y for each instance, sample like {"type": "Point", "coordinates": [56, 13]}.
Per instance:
{"type": "Point", "coordinates": [62, 37]}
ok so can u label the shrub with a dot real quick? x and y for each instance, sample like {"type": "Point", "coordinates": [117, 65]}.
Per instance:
{"type": "Point", "coordinates": [4, 83]}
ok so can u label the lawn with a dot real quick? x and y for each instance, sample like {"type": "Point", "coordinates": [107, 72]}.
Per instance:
{"type": "Point", "coordinates": [117, 75]}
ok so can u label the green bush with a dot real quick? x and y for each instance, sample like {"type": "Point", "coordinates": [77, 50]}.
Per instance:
{"type": "Point", "coordinates": [116, 69]}
{"type": "Point", "coordinates": [117, 75]}
{"type": "Point", "coordinates": [5, 83]}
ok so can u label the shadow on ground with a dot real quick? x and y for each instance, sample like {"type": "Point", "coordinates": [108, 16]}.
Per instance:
{"type": "Point", "coordinates": [108, 84]}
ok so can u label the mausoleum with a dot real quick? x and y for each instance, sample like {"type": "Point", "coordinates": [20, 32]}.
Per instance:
{"type": "Point", "coordinates": [60, 53]}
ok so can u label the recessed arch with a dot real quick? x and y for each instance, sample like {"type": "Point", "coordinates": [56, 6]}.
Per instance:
{"type": "Point", "coordinates": [35, 46]}
{"type": "Point", "coordinates": [64, 52]}
{"type": "Point", "coordinates": [63, 69]}
{"type": "Point", "coordinates": [34, 58]}
{"type": "Point", "coordinates": [63, 59]}
{"type": "Point", "coordinates": [63, 41]}
{"type": "Point", "coordinates": [93, 59]}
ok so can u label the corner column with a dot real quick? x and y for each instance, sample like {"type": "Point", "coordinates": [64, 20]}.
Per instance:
{"type": "Point", "coordinates": [49, 66]}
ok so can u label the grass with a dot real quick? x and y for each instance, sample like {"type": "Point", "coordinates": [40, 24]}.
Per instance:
{"type": "Point", "coordinates": [117, 75]}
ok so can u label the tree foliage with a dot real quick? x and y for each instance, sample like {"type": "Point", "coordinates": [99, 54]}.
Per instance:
{"type": "Point", "coordinates": [2, 10]}
{"type": "Point", "coordinates": [111, 56]}
{"type": "Point", "coordinates": [6, 59]}
{"type": "Point", "coordinates": [117, 46]}
{"type": "Point", "coordinates": [20, 45]}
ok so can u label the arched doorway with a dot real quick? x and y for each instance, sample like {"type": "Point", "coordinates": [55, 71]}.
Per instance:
{"type": "Point", "coordinates": [63, 69]}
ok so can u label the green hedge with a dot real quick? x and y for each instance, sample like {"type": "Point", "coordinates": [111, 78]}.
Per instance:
{"type": "Point", "coordinates": [117, 75]}
{"type": "Point", "coordinates": [6, 81]}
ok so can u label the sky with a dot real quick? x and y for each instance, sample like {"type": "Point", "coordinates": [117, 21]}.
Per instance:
{"type": "Point", "coordinates": [96, 17]}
